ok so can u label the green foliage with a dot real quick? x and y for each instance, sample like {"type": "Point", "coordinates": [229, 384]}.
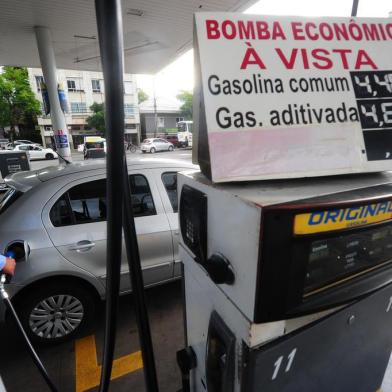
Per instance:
{"type": "Point", "coordinates": [141, 95]}
{"type": "Point", "coordinates": [186, 97]}
{"type": "Point", "coordinates": [17, 100]}
{"type": "Point", "coordinates": [97, 119]}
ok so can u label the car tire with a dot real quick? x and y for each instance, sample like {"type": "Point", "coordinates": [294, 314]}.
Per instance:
{"type": "Point", "coordinates": [171, 148]}
{"type": "Point", "coordinates": [49, 156]}
{"type": "Point", "coordinates": [40, 310]}
{"type": "Point", "coordinates": [152, 150]}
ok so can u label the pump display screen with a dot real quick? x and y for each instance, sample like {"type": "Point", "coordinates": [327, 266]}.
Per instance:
{"type": "Point", "coordinates": [343, 256]}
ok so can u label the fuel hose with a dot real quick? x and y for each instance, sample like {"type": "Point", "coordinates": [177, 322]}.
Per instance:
{"type": "Point", "coordinates": [40, 366]}
{"type": "Point", "coordinates": [110, 34]}
{"type": "Point", "coordinates": [109, 21]}
{"type": "Point", "coordinates": [133, 257]}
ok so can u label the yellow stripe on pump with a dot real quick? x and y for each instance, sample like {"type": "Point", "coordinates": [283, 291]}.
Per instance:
{"type": "Point", "coordinates": [342, 218]}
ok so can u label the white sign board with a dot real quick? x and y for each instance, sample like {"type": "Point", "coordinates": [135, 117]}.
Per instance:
{"type": "Point", "coordinates": [280, 97]}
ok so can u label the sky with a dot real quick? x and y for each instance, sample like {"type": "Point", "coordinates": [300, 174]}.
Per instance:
{"type": "Point", "coordinates": [179, 75]}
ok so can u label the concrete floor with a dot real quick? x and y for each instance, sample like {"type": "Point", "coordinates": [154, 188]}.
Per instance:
{"type": "Point", "coordinates": [165, 311]}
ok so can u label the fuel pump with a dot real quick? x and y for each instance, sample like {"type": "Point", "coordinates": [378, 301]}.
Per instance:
{"type": "Point", "coordinates": [288, 284]}
{"type": "Point", "coordinates": [287, 254]}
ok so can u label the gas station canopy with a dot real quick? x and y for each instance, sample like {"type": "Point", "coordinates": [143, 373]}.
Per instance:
{"type": "Point", "coordinates": [155, 32]}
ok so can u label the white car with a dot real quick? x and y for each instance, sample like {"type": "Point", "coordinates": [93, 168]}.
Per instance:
{"type": "Point", "coordinates": [12, 145]}
{"type": "Point", "coordinates": [37, 152]}
{"type": "Point", "coordinates": [156, 144]}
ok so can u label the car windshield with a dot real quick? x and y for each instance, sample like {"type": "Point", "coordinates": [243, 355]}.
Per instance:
{"type": "Point", "coordinates": [7, 198]}
{"type": "Point", "coordinates": [147, 141]}
{"type": "Point", "coordinates": [184, 127]}
{"type": "Point", "coordinates": [94, 145]}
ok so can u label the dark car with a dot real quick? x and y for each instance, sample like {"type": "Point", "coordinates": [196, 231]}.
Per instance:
{"type": "Point", "coordinates": [172, 139]}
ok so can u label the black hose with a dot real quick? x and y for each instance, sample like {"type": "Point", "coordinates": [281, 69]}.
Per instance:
{"type": "Point", "coordinates": [110, 33]}
{"type": "Point", "coordinates": [133, 256]}
{"type": "Point", "coordinates": [30, 348]}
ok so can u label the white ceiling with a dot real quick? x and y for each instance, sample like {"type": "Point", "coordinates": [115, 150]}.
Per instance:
{"type": "Point", "coordinates": [151, 41]}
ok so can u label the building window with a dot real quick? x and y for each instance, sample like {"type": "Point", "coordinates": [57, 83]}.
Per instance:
{"type": "Point", "coordinates": [128, 88]}
{"type": "Point", "coordinates": [78, 107]}
{"type": "Point", "coordinates": [161, 122]}
{"type": "Point", "coordinates": [75, 85]}
{"type": "Point", "coordinates": [178, 119]}
{"type": "Point", "coordinates": [96, 85]}
{"type": "Point", "coordinates": [39, 80]}
{"type": "Point", "coordinates": [129, 109]}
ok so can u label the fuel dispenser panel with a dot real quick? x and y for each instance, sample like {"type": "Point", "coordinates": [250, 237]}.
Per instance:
{"type": "Point", "coordinates": [350, 350]}
{"type": "Point", "coordinates": [282, 250]}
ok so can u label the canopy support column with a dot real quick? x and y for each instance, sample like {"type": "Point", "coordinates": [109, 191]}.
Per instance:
{"type": "Point", "coordinates": [48, 65]}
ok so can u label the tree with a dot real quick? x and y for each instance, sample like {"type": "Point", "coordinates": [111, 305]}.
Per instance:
{"type": "Point", "coordinates": [17, 101]}
{"type": "Point", "coordinates": [141, 95]}
{"type": "Point", "coordinates": [186, 97]}
{"type": "Point", "coordinates": [97, 119]}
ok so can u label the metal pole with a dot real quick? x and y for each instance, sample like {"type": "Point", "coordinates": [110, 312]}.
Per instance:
{"type": "Point", "coordinates": [48, 64]}
{"type": "Point", "coordinates": [155, 110]}
{"type": "Point", "coordinates": [354, 10]}
{"type": "Point", "coordinates": [110, 32]}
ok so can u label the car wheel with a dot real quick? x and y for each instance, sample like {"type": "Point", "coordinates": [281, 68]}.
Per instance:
{"type": "Point", "coordinates": [152, 150]}
{"type": "Point", "coordinates": [49, 156]}
{"type": "Point", "coordinates": [171, 148]}
{"type": "Point", "coordinates": [56, 312]}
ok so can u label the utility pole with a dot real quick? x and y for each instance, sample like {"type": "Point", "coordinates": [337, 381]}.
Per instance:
{"type": "Point", "coordinates": [155, 110]}
{"type": "Point", "coordinates": [354, 9]}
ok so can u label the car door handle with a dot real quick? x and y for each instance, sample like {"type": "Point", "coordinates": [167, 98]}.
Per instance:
{"type": "Point", "coordinates": [82, 245]}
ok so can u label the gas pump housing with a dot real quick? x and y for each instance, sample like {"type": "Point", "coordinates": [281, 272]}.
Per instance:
{"type": "Point", "coordinates": [276, 264]}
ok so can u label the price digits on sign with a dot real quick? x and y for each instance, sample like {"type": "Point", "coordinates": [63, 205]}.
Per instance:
{"type": "Point", "coordinates": [375, 113]}
{"type": "Point", "coordinates": [373, 84]}
{"type": "Point", "coordinates": [373, 93]}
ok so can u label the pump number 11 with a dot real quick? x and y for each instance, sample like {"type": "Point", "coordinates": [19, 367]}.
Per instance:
{"type": "Point", "coordinates": [288, 362]}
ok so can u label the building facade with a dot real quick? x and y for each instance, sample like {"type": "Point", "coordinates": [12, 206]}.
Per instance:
{"type": "Point", "coordinates": [168, 114]}
{"type": "Point", "coordinates": [82, 89]}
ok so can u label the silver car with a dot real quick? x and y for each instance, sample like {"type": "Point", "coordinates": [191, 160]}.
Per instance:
{"type": "Point", "coordinates": [153, 145]}
{"type": "Point", "coordinates": [54, 220]}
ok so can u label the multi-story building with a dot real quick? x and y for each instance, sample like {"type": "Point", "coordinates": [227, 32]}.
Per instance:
{"type": "Point", "coordinates": [82, 89]}
{"type": "Point", "coordinates": [168, 114]}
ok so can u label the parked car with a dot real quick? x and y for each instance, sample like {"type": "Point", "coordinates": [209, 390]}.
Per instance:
{"type": "Point", "coordinates": [54, 219]}
{"type": "Point", "coordinates": [3, 143]}
{"type": "Point", "coordinates": [37, 152]}
{"type": "Point", "coordinates": [12, 145]}
{"type": "Point", "coordinates": [173, 139]}
{"type": "Point", "coordinates": [153, 145]}
{"type": "Point", "coordinates": [22, 141]}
